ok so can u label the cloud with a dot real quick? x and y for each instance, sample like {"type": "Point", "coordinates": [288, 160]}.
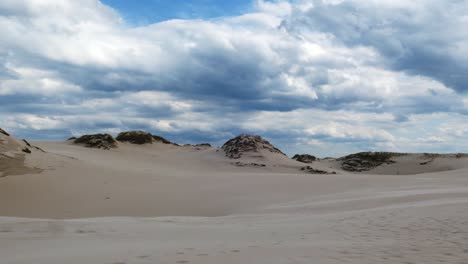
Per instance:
{"type": "Point", "coordinates": [32, 81]}
{"type": "Point", "coordinates": [336, 72]}
{"type": "Point", "coordinates": [350, 133]}
{"type": "Point", "coordinates": [410, 36]}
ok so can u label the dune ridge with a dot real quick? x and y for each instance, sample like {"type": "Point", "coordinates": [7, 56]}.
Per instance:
{"type": "Point", "coordinates": [140, 176]}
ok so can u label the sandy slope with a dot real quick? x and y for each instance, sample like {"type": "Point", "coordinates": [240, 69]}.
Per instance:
{"type": "Point", "coordinates": [420, 163]}
{"type": "Point", "coordinates": [18, 157]}
{"type": "Point", "coordinates": [272, 214]}
{"type": "Point", "coordinates": [150, 180]}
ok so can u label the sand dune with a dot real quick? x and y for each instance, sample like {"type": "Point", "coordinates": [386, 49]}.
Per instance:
{"type": "Point", "coordinates": [18, 157]}
{"type": "Point", "coordinates": [422, 163]}
{"type": "Point", "coordinates": [163, 203]}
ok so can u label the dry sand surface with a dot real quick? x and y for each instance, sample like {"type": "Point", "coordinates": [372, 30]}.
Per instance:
{"type": "Point", "coordinates": [162, 203]}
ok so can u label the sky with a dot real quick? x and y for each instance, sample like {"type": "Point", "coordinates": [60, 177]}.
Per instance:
{"type": "Point", "coordinates": [324, 77]}
{"type": "Point", "coordinates": [139, 13]}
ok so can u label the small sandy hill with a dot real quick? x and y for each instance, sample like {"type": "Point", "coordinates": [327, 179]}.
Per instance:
{"type": "Point", "coordinates": [304, 158]}
{"type": "Point", "coordinates": [100, 141]}
{"type": "Point", "coordinates": [15, 155]}
{"type": "Point", "coordinates": [417, 163]}
{"type": "Point", "coordinates": [365, 161]}
{"type": "Point", "coordinates": [393, 163]}
{"type": "Point", "coordinates": [255, 152]}
{"type": "Point", "coordinates": [245, 145]}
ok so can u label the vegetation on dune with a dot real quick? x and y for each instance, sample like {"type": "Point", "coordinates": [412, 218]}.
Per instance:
{"type": "Point", "coordinates": [102, 141]}
{"type": "Point", "coordinates": [236, 147]}
{"type": "Point", "coordinates": [304, 158]}
{"type": "Point", "coordinates": [461, 155]}
{"type": "Point", "coordinates": [365, 161]}
{"type": "Point", "coordinates": [135, 137]}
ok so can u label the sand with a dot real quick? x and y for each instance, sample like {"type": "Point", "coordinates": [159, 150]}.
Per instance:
{"type": "Point", "coordinates": [166, 204]}
{"type": "Point", "coordinates": [13, 156]}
